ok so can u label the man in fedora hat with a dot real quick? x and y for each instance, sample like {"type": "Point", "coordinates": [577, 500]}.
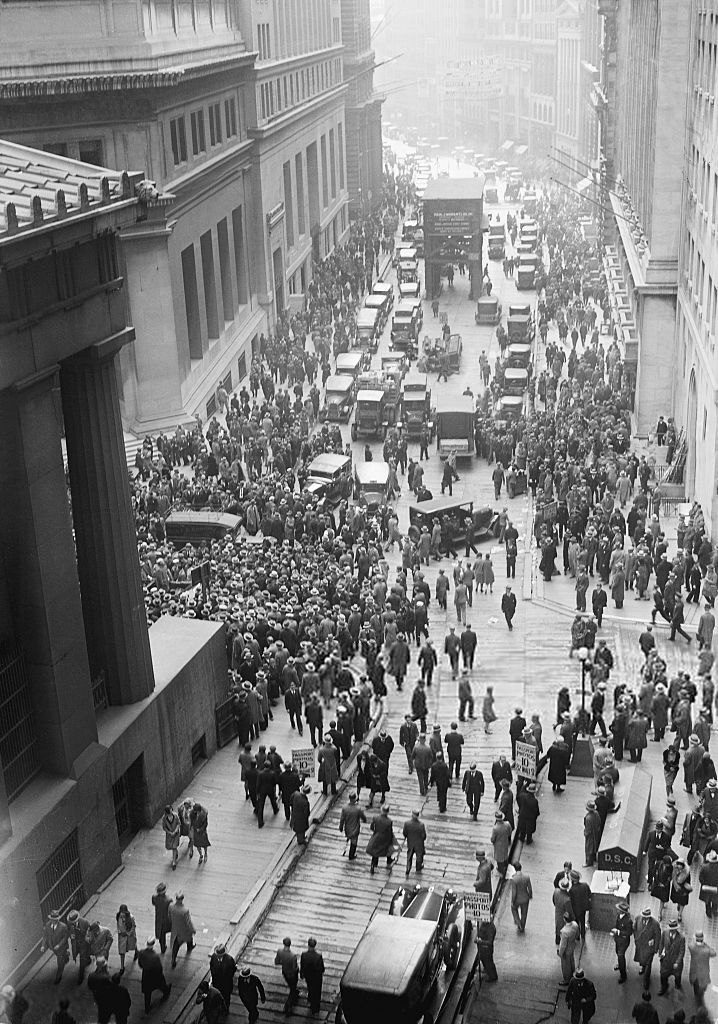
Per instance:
{"type": "Point", "coordinates": [214, 1009]}
{"type": "Point", "coordinates": [250, 990]}
{"type": "Point", "coordinates": [581, 998]}
{"type": "Point", "coordinates": [78, 928]}
{"type": "Point", "coordinates": [182, 927]}
{"type": "Point", "coordinates": [350, 824]}
{"type": "Point", "coordinates": [708, 879]}
{"type": "Point", "coordinates": [222, 968]}
{"type": "Point", "coordinates": [161, 902]}
{"type": "Point", "coordinates": [647, 939]}
{"type": "Point", "coordinates": [55, 938]}
{"type": "Point", "coordinates": [658, 844]}
{"type": "Point", "coordinates": [591, 833]}
{"type": "Point", "coordinates": [622, 932]}
{"type": "Point", "coordinates": [473, 786]}
{"type": "Point", "coordinates": [671, 954]}
{"type": "Point", "coordinates": [153, 976]}
{"type": "Point", "coordinates": [414, 832]}
{"type": "Point", "coordinates": [100, 984]}
{"type": "Point", "coordinates": [699, 972]}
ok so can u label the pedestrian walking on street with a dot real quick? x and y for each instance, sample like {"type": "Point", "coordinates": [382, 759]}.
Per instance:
{"type": "Point", "coordinates": [454, 741]}
{"type": "Point", "coordinates": [521, 896]}
{"type": "Point", "coordinates": [289, 784]}
{"type": "Point", "coordinates": [482, 883]}
{"type": "Point", "coordinates": [440, 778]}
{"type": "Point", "coordinates": [328, 765]}
{"type": "Point", "coordinates": [580, 895]}
{"type": "Point", "coordinates": [381, 843]}
{"type": "Point", "coordinates": [120, 999]}
{"type": "Point", "coordinates": [213, 1006]}
{"type": "Point", "coordinates": [501, 772]}
{"type": "Point", "coordinates": [287, 960]}
{"type": "Point", "coordinates": [62, 1014]}
{"type": "Point", "coordinates": [251, 992]}
{"type": "Point", "coordinates": [414, 832]}
{"type": "Point", "coordinates": [161, 902]}
{"type": "Point", "coordinates": [266, 790]}
{"type": "Point", "coordinates": [473, 787]}
{"type": "Point", "coordinates": [581, 998]}
{"type": "Point", "coordinates": [671, 954]}
{"type": "Point", "coordinates": [126, 935]}
{"type": "Point", "coordinates": [183, 929]}
{"type": "Point", "coordinates": [568, 937]}
{"type": "Point", "coordinates": [222, 969]}
{"type": "Point", "coordinates": [699, 972]}
{"type": "Point", "coordinates": [561, 905]}
{"type": "Point", "coordinates": [153, 976]}
{"type": "Point", "coordinates": [508, 607]}
{"type": "Point", "coordinates": [423, 760]}
{"type": "Point", "coordinates": [485, 939]}
{"type": "Point", "coordinates": [100, 940]}
{"type": "Point", "coordinates": [647, 939]}
{"type": "Point", "coordinates": [55, 938]}
{"type": "Point", "coordinates": [516, 729]}
{"type": "Point", "coordinates": [200, 821]}
{"type": "Point", "coordinates": [100, 985]}
{"type": "Point", "coordinates": [171, 826]}
{"type": "Point", "coordinates": [622, 933]}
{"type": "Point", "coordinates": [299, 814]}
{"type": "Point", "coordinates": [408, 736]}
{"type": "Point", "coordinates": [466, 697]}
{"type": "Point", "coordinates": [311, 969]}
{"type": "Point", "coordinates": [591, 833]}
{"type": "Point", "coordinates": [487, 709]}
{"type": "Point", "coordinates": [350, 824]}
{"type": "Point", "coordinates": [501, 842]}
{"type": "Point", "coordinates": [79, 942]}
{"type": "Point", "coordinates": [468, 641]}
{"type": "Point", "coordinates": [528, 813]}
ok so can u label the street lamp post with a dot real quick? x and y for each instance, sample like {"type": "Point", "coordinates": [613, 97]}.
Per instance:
{"type": "Point", "coordinates": [582, 760]}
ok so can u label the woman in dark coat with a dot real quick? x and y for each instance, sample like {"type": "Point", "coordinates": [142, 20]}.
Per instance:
{"type": "Point", "coordinates": [636, 731]}
{"type": "Point", "coordinates": [661, 888]}
{"type": "Point", "coordinates": [680, 885]}
{"type": "Point", "coordinates": [199, 819]}
{"type": "Point", "coordinates": [558, 756]}
{"type": "Point", "coordinates": [378, 777]}
{"type": "Point", "coordinates": [161, 903]}
{"type": "Point", "coordinates": [328, 771]}
{"type": "Point", "coordinates": [363, 777]}
{"type": "Point", "coordinates": [381, 843]}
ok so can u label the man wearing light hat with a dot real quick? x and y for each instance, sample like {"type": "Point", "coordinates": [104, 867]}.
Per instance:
{"type": "Point", "coordinates": [153, 977]}
{"type": "Point", "coordinates": [80, 945]}
{"type": "Point", "coordinates": [647, 939]}
{"type": "Point", "coordinates": [622, 932]}
{"type": "Point", "coordinates": [250, 990]}
{"type": "Point", "coordinates": [581, 998]}
{"type": "Point", "coordinates": [55, 937]}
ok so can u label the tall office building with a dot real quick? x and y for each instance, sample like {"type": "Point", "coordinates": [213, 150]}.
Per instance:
{"type": "Point", "coordinates": [363, 110]}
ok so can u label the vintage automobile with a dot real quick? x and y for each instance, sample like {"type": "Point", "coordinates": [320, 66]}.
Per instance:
{"type": "Point", "coordinates": [438, 354]}
{"type": "Point", "coordinates": [368, 330]}
{"type": "Point", "coordinates": [526, 273]}
{"type": "Point", "coordinates": [408, 270]}
{"type": "Point", "coordinates": [424, 513]}
{"type": "Point", "coordinates": [403, 252]}
{"type": "Point", "coordinates": [395, 363]}
{"type": "Point", "coordinates": [190, 526]}
{"type": "Point", "coordinates": [411, 226]}
{"type": "Point", "coordinates": [370, 484]}
{"type": "Point", "coordinates": [515, 382]}
{"type": "Point", "coordinates": [370, 417]}
{"type": "Point", "coordinates": [410, 289]}
{"type": "Point", "coordinates": [384, 288]}
{"type": "Point", "coordinates": [339, 399]}
{"type": "Point", "coordinates": [380, 305]}
{"type": "Point", "coordinates": [508, 409]}
{"type": "Point", "coordinates": [394, 974]}
{"type": "Point", "coordinates": [406, 324]}
{"type": "Point", "coordinates": [530, 202]}
{"type": "Point", "coordinates": [518, 329]}
{"type": "Point", "coordinates": [330, 477]}
{"type": "Point", "coordinates": [519, 355]}
{"type": "Point", "coordinates": [349, 364]}
{"type": "Point", "coordinates": [497, 242]}
{"type": "Point", "coordinates": [455, 425]}
{"type": "Point", "coordinates": [416, 405]}
{"type": "Point", "coordinates": [491, 194]}
{"type": "Point", "coordinates": [488, 310]}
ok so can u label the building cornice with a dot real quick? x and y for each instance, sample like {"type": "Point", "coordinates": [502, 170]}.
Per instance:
{"type": "Point", "coordinates": [120, 81]}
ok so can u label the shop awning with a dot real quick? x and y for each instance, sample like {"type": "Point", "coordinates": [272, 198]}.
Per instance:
{"type": "Point", "coordinates": [520, 150]}
{"type": "Point", "coordinates": [506, 146]}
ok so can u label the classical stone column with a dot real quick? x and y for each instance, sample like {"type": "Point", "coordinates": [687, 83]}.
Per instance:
{"type": "Point", "coordinates": [40, 572]}
{"type": "Point", "coordinates": [112, 598]}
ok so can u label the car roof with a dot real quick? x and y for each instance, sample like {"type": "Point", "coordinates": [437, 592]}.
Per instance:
{"type": "Point", "coordinates": [438, 505]}
{"type": "Point", "coordinates": [369, 395]}
{"type": "Point", "coordinates": [488, 300]}
{"type": "Point", "coordinates": [203, 516]}
{"type": "Point", "coordinates": [387, 954]}
{"type": "Point", "coordinates": [367, 316]}
{"type": "Point", "coordinates": [349, 359]}
{"type": "Point", "coordinates": [455, 403]}
{"type": "Point", "coordinates": [382, 288]}
{"type": "Point", "coordinates": [327, 462]}
{"type": "Point", "coordinates": [371, 472]}
{"type": "Point", "coordinates": [374, 301]}
{"type": "Point", "coordinates": [339, 382]}
{"type": "Point", "coordinates": [406, 306]}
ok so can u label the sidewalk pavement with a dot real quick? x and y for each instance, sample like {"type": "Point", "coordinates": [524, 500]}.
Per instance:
{"type": "Point", "coordinates": [241, 856]}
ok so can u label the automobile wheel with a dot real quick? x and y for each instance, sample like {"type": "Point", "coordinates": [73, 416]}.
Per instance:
{"type": "Point", "coordinates": [452, 947]}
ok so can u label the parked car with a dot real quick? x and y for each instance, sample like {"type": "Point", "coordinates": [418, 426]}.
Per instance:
{"type": "Point", "coordinates": [488, 310]}
{"type": "Point", "coordinates": [370, 484]}
{"type": "Point", "coordinates": [424, 513]}
{"type": "Point", "coordinates": [330, 477]}
{"type": "Point", "coordinates": [392, 974]}
{"type": "Point", "coordinates": [339, 400]}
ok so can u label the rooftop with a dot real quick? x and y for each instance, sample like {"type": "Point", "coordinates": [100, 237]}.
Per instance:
{"type": "Point", "coordinates": [455, 188]}
{"type": "Point", "coordinates": [39, 189]}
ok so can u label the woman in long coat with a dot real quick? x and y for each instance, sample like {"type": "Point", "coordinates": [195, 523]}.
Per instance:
{"type": "Point", "coordinates": [558, 756]}
{"type": "Point", "coordinates": [126, 935]}
{"type": "Point", "coordinates": [591, 833]}
{"type": "Point", "coordinates": [661, 887]}
{"type": "Point", "coordinates": [636, 731]}
{"type": "Point", "coordinates": [171, 827]}
{"type": "Point", "coordinates": [363, 775]}
{"type": "Point", "coordinates": [618, 586]}
{"type": "Point", "coordinates": [161, 902]}
{"type": "Point", "coordinates": [381, 842]}
{"type": "Point", "coordinates": [378, 777]}
{"type": "Point", "coordinates": [680, 885]}
{"type": "Point", "coordinates": [199, 819]}
{"type": "Point", "coordinates": [328, 771]}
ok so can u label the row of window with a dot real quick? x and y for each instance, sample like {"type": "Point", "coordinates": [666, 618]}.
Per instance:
{"type": "Point", "coordinates": [300, 26]}
{"type": "Point", "coordinates": [287, 91]}
{"type": "Point", "coordinates": [701, 287]}
{"type": "Point", "coordinates": [703, 180]}
{"type": "Point", "coordinates": [222, 123]}
{"type": "Point", "coordinates": [224, 293]}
